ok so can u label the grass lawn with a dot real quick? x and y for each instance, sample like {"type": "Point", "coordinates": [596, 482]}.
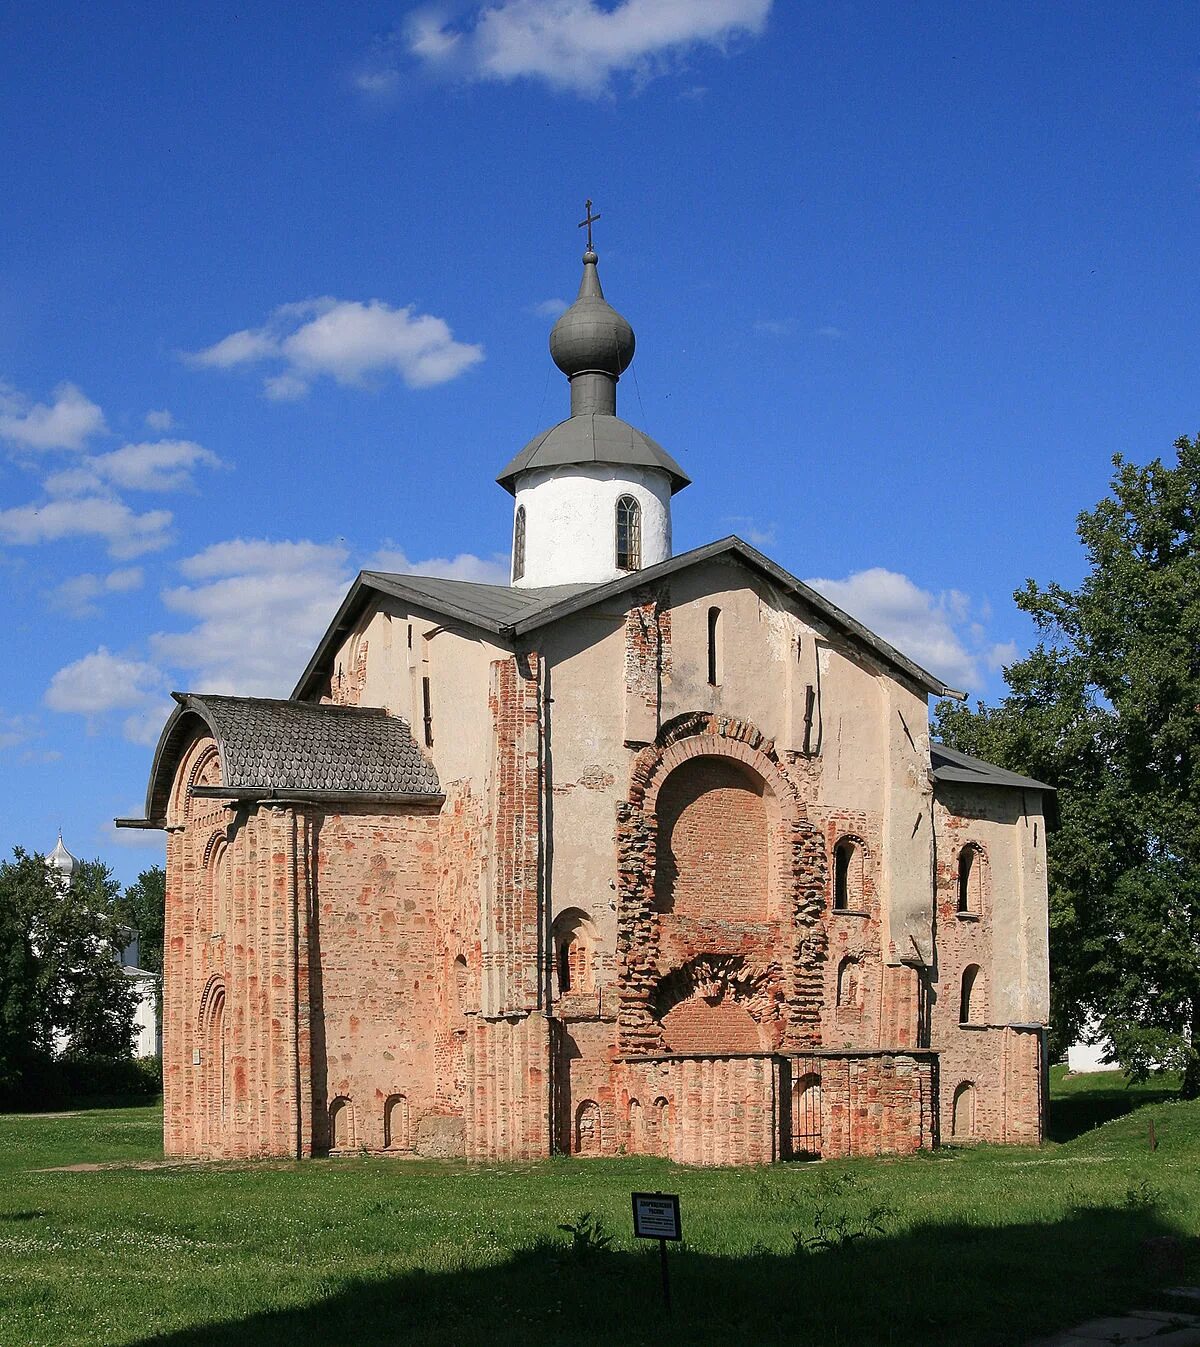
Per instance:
{"type": "Point", "coordinates": [984, 1246]}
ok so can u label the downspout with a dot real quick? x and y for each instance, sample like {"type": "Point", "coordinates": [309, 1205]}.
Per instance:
{"type": "Point", "coordinates": [293, 955]}
{"type": "Point", "coordinates": [545, 903]}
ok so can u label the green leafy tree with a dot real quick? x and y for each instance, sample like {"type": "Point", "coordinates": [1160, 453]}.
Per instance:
{"type": "Point", "coordinates": [63, 988]}
{"type": "Point", "coordinates": [142, 908]}
{"type": "Point", "coordinates": [1107, 709]}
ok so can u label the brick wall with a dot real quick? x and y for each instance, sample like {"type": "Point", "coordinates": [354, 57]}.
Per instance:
{"type": "Point", "coordinates": [712, 857]}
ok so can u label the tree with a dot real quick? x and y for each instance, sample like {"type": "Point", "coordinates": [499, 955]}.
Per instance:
{"type": "Point", "coordinates": [62, 991]}
{"type": "Point", "coordinates": [142, 908]}
{"type": "Point", "coordinates": [1107, 709]}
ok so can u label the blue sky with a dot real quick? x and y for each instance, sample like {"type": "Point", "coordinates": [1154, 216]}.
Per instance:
{"type": "Point", "coordinates": [275, 285]}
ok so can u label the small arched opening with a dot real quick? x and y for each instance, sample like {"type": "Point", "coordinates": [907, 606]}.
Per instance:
{"type": "Point", "coordinates": [970, 1007]}
{"type": "Point", "coordinates": [962, 1112]}
{"type": "Point", "coordinates": [848, 875]}
{"type": "Point", "coordinates": [970, 881]}
{"type": "Point", "coordinates": [397, 1135]}
{"type": "Point", "coordinates": [588, 1133]}
{"type": "Point", "coordinates": [806, 1105]}
{"type": "Point", "coordinates": [341, 1125]}
{"type": "Point", "coordinates": [849, 983]}
{"type": "Point", "coordinates": [573, 944]}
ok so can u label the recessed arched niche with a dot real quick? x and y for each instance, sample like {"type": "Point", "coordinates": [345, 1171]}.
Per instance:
{"type": "Point", "coordinates": [713, 857]}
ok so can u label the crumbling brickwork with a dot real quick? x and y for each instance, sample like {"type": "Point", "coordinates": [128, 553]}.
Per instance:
{"type": "Point", "coordinates": [713, 976]}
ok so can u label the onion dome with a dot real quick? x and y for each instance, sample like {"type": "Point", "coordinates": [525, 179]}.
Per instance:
{"type": "Point", "coordinates": [591, 337]}
{"type": "Point", "coordinates": [61, 864]}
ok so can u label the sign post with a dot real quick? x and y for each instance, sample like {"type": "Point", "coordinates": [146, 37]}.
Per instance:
{"type": "Point", "coordinates": [656, 1216]}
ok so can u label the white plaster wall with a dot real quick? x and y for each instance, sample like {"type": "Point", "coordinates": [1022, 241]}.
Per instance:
{"type": "Point", "coordinates": [570, 521]}
{"type": "Point", "coordinates": [146, 1041]}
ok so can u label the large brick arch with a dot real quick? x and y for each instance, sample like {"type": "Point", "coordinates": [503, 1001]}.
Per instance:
{"type": "Point", "coordinates": [797, 869]}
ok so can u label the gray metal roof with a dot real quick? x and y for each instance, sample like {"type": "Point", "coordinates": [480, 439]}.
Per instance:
{"type": "Point", "coordinates": [951, 765]}
{"type": "Point", "coordinates": [289, 748]}
{"type": "Point", "coordinates": [594, 438]}
{"type": "Point", "coordinates": [493, 606]}
{"type": "Point", "coordinates": [512, 613]}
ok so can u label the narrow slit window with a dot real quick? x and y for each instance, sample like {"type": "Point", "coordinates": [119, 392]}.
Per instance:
{"type": "Point", "coordinates": [427, 712]}
{"type": "Point", "coordinates": [968, 1001]}
{"type": "Point", "coordinates": [564, 967]}
{"type": "Point", "coordinates": [847, 876]}
{"type": "Point", "coordinates": [714, 652]}
{"type": "Point", "coordinates": [518, 566]}
{"type": "Point", "coordinates": [970, 880]}
{"type": "Point", "coordinates": [629, 534]}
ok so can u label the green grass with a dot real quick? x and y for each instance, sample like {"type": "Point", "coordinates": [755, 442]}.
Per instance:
{"type": "Point", "coordinates": [987, 1246]}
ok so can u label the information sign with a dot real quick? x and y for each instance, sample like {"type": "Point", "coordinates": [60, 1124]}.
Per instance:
{"type": "Point", "coordinates": [656, 1216]}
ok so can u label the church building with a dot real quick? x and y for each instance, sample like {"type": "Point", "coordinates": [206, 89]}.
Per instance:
{"type": "Point", "coordinates": [641, 853]}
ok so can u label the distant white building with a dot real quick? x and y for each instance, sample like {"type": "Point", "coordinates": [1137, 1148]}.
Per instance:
{"type": "Point", "coordinates": [147, 1040]}
{"type": "Point", "coordinates": [1087, 1054]}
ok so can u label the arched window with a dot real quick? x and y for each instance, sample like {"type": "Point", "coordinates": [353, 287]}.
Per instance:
{"type": "Point", "coordinates": [968, 1001]}
{"type": "Point", "coordinates": [629, 534]}
{"type": "Point", "coordinates": [848, 876]}
{"type": "Point", "coordinates": [848, 983]}
{"type": "Point", "coordinates": [962, 1112]}
{"type": "Point", "coordinates": [714, 650]}
{"type": "Point", "coordinates": [636, 1140]}
{"type": "Point", "coordinates": [518, 566]}
{"type": "Point", "coordinates": [573, 939]}
{"type": "Point", "coordinates": [970, 880]}
{"type": "Point", "coordinates": [460, 984]}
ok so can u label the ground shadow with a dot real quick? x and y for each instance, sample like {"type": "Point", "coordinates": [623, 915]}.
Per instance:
{"type": "Point", "coordinates": [934, 1284]}
{"type": "Point", "coordinates": [1070, 1115]}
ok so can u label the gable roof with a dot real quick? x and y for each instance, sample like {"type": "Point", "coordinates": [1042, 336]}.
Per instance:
{"type": "Point", "coordinates": [289, 749]}
{"type": "Point", "coordinates": [951, 765]}
{"type": "Point", "coordinates": [510, 613]}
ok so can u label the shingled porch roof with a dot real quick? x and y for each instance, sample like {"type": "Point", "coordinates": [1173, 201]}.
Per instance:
{"type": "Point", "coordinates": [270, 749]}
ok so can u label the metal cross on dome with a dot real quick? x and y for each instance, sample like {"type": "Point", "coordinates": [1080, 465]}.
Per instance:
{"type": "Point", "coordinates": [591, 220]}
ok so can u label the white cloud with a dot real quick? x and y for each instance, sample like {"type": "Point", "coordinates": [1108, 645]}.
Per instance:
{"type": "Point", "coordinates": [1002, 654]}
{"type": "Point", "coordinates": [346, 340]}
{"type": "Point", "coordinates": [77, 596]}
{"type": "Point", "coordinates": [257, 608]}
{"type": "Point", "coordinates": [774, 327]}
{"type": "Point", "coordinates": [579, 45]}
{"type": "Point", "coordinates": [102, 682]}
{"type": "Point", "coordinates": [550, 308]}
{"type": "Point", "coordinates": [918, 623]}
{"type": "Point", "coordinates": [126, 533]}
{"type": "Point", "coordinates": [164, 465]}
{"type": "Point", "coordinates": [493, 570]}
{"type": "Point", "coordinates": [160, 421]}
{"type": "Point", "coordinates": [15, 730]}
{"type": "Point", "coordinates": [757, 535]}
{"type": "Point", "coordinates": [66, 423]}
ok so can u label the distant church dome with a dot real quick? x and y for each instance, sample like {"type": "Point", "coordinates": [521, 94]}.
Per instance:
{"type": "Point", "coordinates": [62, 865]}
{"type": "Point", "coordinates": [593, 493]}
